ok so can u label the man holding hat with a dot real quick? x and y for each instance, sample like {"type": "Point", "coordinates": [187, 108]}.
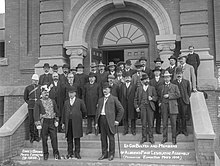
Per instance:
{"type": "Point", "coordinates": [172, 59]}
{"type": "Point", "coordinates": [158, 63]}
{"type": "Point", "coordinates": [169, 94]}
{"type": "Point", "coordinates": [46, 78]}
{"type": "Point", "coordinates": [73, 113]}
{"type": "Point", "coordinates": [91, 96]}
{"type": "Point", "coordinates": [111, 68]}
{"type": "Point", "coordinates": [46, 119]}
{"type": "Point", "coordinates": [143, 62]}
{"type": "Point", "coordinates": [102, 75]}
{"type": "Point", "coordinates": [63, 76]}
{"type": "Point", "coordinates": [145, 97]}
{"type": "Point", "coordinates": [183, 101]}
{"type": "Point", "coordinates": [136, 78]}
{"type": "Point", "coordinates": [128, 67]}
{"type": "Point", "coordinates": [127, 94]}
{"type": "Point", "coordinates": [156, 82]}
{"type": "Point", "coordinates": [109, 114]}
{"type": "Point", "coordinates": [31, 95]}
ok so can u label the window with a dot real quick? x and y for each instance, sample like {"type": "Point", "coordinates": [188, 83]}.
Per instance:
{"type": "Point", "coordinates": [2, 49]}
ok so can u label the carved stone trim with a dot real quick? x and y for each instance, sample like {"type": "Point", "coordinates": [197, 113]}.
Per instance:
{"type": "Point", "coordinates": [3, 61]}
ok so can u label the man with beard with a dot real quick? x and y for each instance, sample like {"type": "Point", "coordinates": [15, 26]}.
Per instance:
{"type": "Point", "coordinates": [46, 118]}
{"type": "Point", "coordinates": [31, 95]}
{"type": "Point", "coordinates": [102, 75]}
{"type": "Point", "coordinates": [145, 97]}
{"type": "Point", "coordinates": [172, 66]}
{"type": "Point", "coordinates": [127, 100]}
{"type": "Point", "coordinates": [158, 63]}
{"type": "Point", "coordinates": [145, 69]}
{"type": "Point", "coordinates": [109, 114]}
{"type": "Point", "coordinates": [128, 67]}
{"type": "Point", "coordinates": [111, 69]}
{"type": "Point", "coordinates": [93, 67]}
{"type": "Point", "coordinates": [119, 79]}
{"type": "Point", "coordinates": [136, 78]}
{"type": "Point", "coordinates": [91, 96]}
{"type": "Point", "coordinates": [46, 78]}
{"type": "Point", "coordinates": [71, 83]}
{"type": "Point", "coordinates": [63, 76]}
{"type": "Point", "coordinates": [113, 86]}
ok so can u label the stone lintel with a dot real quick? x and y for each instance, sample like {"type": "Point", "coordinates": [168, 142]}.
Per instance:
{"type": "Point", "coordinates": [119, 3]}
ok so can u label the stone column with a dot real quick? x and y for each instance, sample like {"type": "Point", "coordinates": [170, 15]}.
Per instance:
{"type": "Point", "coordinates": [166, 46]}
{"type": "Point", "coordinates": [77, 52]}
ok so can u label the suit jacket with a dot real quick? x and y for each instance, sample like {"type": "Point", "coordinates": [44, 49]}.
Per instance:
{"type": "Point", "coordinates": [138, 96]}
{"type": "Point", "coordinates": [113, 111]}
{"type": "Point", "coordinates": [43, 81]}
{"type": "Point", "coordinates": [189, 74]}
{"type": "Point", "coordinates": [76, 112]}
{"type": "Point", "coordinates": [81, 80]}
{"type": "Point", "coordinates": [136, 80]}
{"type": "Point", "coordinates": [174, 94]}
{"type": "Point", "coordinates": [171, 71]}
{"type": "Point", "coordinates": [149, 72]}
{"type": "Point", "coordinates": [194, 60]}
{"type": "Point", "coordinates": [156, 84]}
{"type": "Point", "coordinates": [131, 71]}
{"type": "Point", "coordinates": [101, 78]}
{"type": "Point", "coordinates": [185, 90]}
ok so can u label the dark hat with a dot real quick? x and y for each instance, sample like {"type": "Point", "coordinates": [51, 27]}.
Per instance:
{"type": "Point", "coordinates": [101, 64]}
{"type": "Point", "coordinates": [91, 74]}
{"type": "Point", "coordinates": [66, 66]}
{"type": "Point", "coordinates": [111, 76]}
{"type": "Point", "coordinates": [79, 66]}
{"type": "Point", "coordinates": [182, 56]}
{"type": "Point", "coordinates": [55, 67]}
{"type": "Point", "coordinates": [138, 65]}
{"type": "Point", "coordinates": [120, 63]}
{"type": "Point", "coordinates": [179, 70]}
{"type": "Point", "coordinates": [158, 60]}
{"type": "Point", "coordinates": [105, 85]}
{"type": "Point", "coordinates": [93, 64]}
{"type": "Point", "coordinates": [128, 62]}
{"type": "Point", "coordinates": [118, 70]}
{"type": "Point", "coordinates": [172, 57]}
{"type": "Point", "coordinates": [127, 74]}
{"type": "Point", "coordinates": [72, 89]}
{"type": "Point", "coordinates": [142, 58]}
{"type": "Point", "coordinates": [166, 73]}
{"type": "Point", "coordinates": [156, 69]}
{"type": "Point", "coordinates": [144, 77]}
{"type": "Point", "coordinates": [111, 64]}
{"type": "Point", "coordinates": [46, 65]}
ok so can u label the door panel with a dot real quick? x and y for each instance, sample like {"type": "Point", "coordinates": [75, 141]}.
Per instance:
{"type": "Point", "coordinates": [96, 55]}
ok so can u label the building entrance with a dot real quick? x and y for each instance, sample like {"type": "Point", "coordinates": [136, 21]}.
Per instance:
{"type": "Point", "coordinates": [113, 56]}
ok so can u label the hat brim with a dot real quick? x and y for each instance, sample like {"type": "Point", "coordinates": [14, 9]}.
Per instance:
{"type": "Point", "coordinates": [165, 75]}
{"type": "Point", "coordinates": [158, 61]}
{"type": "Point", "coordinates": [182, 57]}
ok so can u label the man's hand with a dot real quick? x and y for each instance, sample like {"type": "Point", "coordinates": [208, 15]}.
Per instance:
{"type": "Point", "coordinates": [116, 123]}
{"type": "Point", "coordinates": [166, 96]}
{"type": "Point", "coordinates": [63, 126]}
{"type": "Point", "coordinates": [96, 126]}
{"type": "Point", "coordinates": [150, 98]}
{"type": "Point", "coordinates": [138, 110]}
{"type": "Point", "coordinates": [56, 123]}
{"type": "Point", "coordinates": [194, 90]}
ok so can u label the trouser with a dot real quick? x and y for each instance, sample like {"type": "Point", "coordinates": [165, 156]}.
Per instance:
{"type": "Point", "coordinates": [181, 117]}
{"type": "Point", "coordinates": [49, 128]}
{"type": "Point", "coordinates": [90, 118]}
{"type": "Point", "coordinates": [70, 140]}
{"type": "Point", "coordinates": [32, 128]}
{"type": "Point", "coordinates": [126, 125]}
{"type": "Point", "coordinates": [165, 113]}
{"type": "Point", "coordinates": [105, 132]}
{"type": "Point", "coordinates": [147, 116]}
{"type": "Point", "coordinates": [157, 117]}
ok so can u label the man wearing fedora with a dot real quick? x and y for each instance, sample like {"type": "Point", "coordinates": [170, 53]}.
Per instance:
{"type": "Point", "coordinates": [73, 114]}
{"type": "Point", "coordinates": [144, 100]}
{"type": "Point", "coordinates": [136, 78]}
{"type": "Point", "coordinates": [173, 62]}
{"type": "Point", "coordinates": [120, 78]}
{"type": "Point", "coordinates": [169, 94]}
{"type": "Point", "coordinates": [102, 75]}
{"type": "Point", "coordinates": [93, 68]}
{"type": "Point", "coordinates": [112, 68]}
{"type": "Point", "coordinates": [183, 101]}
{"type": "Point", "coordinates": [147, 70]}
{"type": "Point", "coordinates": [109, 114]}
{"type": "Point", "coordinates": [158, 63]}
{"type": "Point", "coordinates": [91, 96]}
{"type": "Point", "coordinates": [80, 78]}
{"type": "Point", "coordinates": [156, 82]}
{"type": "Point", "coordinates": [128, 67]}
{"type": "Point", "coordinates": [63, 76]}
{"type": "Point", "coordinates": [46, 78]}
{"type": "Point", "coordinates": [121, 65]}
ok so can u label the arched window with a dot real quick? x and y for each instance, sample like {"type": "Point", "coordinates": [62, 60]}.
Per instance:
{"type": "Point", "coordinates": [124, 33]}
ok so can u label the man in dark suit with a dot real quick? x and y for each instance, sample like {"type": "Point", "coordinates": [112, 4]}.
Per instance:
{"type": "Point", "coordinates": [156, 82]}
{"type": "Point", "coordinates": [31, 95]}
{"type": "Point", "coordinates": [145, 97]}
{"type": "Point", "coordinates": [63, 76]}
{"type": "Point", "coordinates": [55, 68]}
{"type": "Point", "coordinates": [46, 118]}
{"type": "Point", "coordinates": [183, 101]}
{"type": "Point", "coordinates": [46, 78]}
{"type": "Point", "coordinates": [136, 78]}
{"type": "Point", "coordinates": [127, 93]}
{"type": "Point", "coordinates": [158, 63]}
{"type": "Point", "coordinates": [102, 75]}
{"type": "Point", "coordinates": [112, 68]}
{"type": "Point", "coordinates": [91, 96]}
{"type": "Point", "coordinates": [128, 67]}
{"type": "Point", "coordinates": [109, 114]}
{"type": "Point", "coordinates": [73, 113]}
{"type": "Point", "coordinates": [147, 70]}
{"type": "Point", "coordinates": [169, 94]}
{"type": "Point", "coordinates": [71, 83]}
{"type": "Point", "coordinates": [172, 66]}
{"type": "Point", "coordinates": [193, 59]}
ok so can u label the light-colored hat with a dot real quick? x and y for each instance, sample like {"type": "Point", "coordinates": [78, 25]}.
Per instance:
{"type": "Point", "coordinates": [182, 56]}
{"type": "Point", "coordinates": [166, 73]}
{"type": "Point", "coordinates": [35, 77]}
{"type": "Point", "coordinates": [93, 64]}
{"type": "Point", "coordinates": [111, 64]}
{"type": "Point", "coordinates": [101, 64]}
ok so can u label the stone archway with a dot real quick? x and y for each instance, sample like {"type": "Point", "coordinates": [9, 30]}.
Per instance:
{"type": "Point", "coordinates": [77, 47]}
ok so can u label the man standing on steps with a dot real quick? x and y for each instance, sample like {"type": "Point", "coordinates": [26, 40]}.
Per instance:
{"type": "Point", "coordinates": [109, 114]}
{"type": "Point", "coordinates": [169, 94]}
{"type": "Point", "coordinates": [145, 97]}
{"type": "Point", "coordinates": [46, 78]}
{"type": "Point", "coordinates": [31, 94]}
{"type": "Point", "coordinates": [46, 117]}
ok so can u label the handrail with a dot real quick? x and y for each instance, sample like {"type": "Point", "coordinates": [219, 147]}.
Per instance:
{"type": "Point", "coordinates": [202, 124]}
{"type": "Point", "coordinates": [12, 124]}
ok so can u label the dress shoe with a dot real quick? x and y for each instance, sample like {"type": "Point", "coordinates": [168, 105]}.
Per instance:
{"type": "Point", "coordinates": [164, 141]}
{"type": "Point", "coordinates": [174, 141]}
{"type": "Point", "coordinates": [46, 156]}
{"type": "Point", "coordinates": [111, 157]}
{"type": "Point", "coordinates": [77, 155]}
{"type": "Point", "coordinates": [133, 133]}
{"type": "Point", "coordinates": [57, 157]}
{"type": "Point", "coordinates": [151, 140]}
{"type": "Point", "coordinates": [185, 133]}
{"type": "Point", "coordinates": [31, 140]}
{"type": "Point", "coordinates": [143, 140]}
{"type": "Point", "coordinates": [103, 157]}
{"type": "Point", "coordinates": [69, 156]}
{"type": "Point", "coordinates": [125, 132]}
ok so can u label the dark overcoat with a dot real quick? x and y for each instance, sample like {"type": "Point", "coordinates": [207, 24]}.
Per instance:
{"type": "Point", "coordinates": [81, 80]}
{"type": "Point", "coordinates": [45, 79]}
{"type": "Point", "coordinates": [76, 112]}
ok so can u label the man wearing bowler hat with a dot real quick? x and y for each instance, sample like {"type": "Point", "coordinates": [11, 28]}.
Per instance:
{"type": "Point", "coordinates": [109, 114]}
{"type": "Point", "coordinates": [55, 68]}
{"type": "Point", "coordinates": [169, 94]}
{"type": "Point", "coordinates": [128, 67]}
{"type": "Point", "coordinates": [46, 78]}
{"type": "Point", "coordinates": [136, 78]}
{"type": "Point", "coordinates": [172, 59]}
{"type": "Point", "coordinates": [145, 97]}
{"type": "Point", "coordinates": [143, 61]}
{"type": "Point", "coordinates": [63, 76]}
{"type": "Point", "coordinates": [158, 63]}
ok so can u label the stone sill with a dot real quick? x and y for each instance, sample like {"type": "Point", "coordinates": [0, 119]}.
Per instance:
{"type": "Point", "coordinates": [3, 61]}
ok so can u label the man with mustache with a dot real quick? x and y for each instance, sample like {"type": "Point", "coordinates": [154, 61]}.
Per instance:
{"type": "Point", "coordinates": [46, 78]}
{"type": "Point", "coordinates": [63, 76]}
